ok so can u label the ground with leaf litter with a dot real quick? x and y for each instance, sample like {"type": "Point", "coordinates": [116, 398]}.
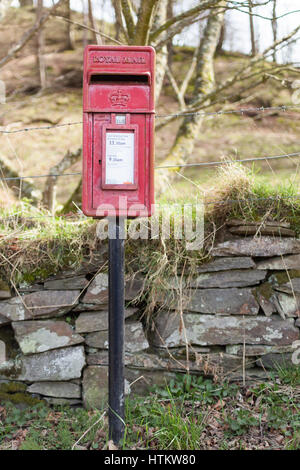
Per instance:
{"type": "Point", "coordinates": [188, 414]}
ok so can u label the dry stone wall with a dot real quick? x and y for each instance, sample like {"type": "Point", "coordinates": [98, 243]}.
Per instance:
{"type": "Point", "coordinates": [239, 317]}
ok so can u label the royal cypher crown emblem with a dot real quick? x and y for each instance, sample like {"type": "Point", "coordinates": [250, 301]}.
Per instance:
{"type": "Point", "coordinates": [119, 99]}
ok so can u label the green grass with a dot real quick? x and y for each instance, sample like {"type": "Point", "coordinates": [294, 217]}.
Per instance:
{"type": "Point", "coordinates": [188, 413]}
{"type": "Point", "coordinates": [50, 244]}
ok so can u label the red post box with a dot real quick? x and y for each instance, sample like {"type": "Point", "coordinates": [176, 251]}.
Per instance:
{"type": "Point", "coordinates": [118, 131]}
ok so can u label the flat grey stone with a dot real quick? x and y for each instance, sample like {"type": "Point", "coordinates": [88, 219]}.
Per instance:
{"type": "Point", "coordinates": [138, 382]}
{"type": "Point", "coordinates": [56, 365]}
{"type": "Point", "coordinates": [211, 329]}
{"type": "Point", "coordinates": [291, 287]}
{"type": "Point", "coordinates": [297, 322]}
{"type": "Point", "coordinates": [280, 263]}
{"type": "Point", "coordinates": [95, 387]}
{"type": "Point", "coordinates": [272, 360]}
{"type": "Point", "coordinates": [234, 278]}
{"type": "Point", "coordinates": [62, 401]}
{"type": "Point", "coordinates": [256, 350]}
{"type": "Point", "coordinates": [25, 288]}
{"type": "Point", "coordinates": [288, 305]}
{"type": "Point", "coordinates": [264, 223]}
{"type": "Point", "coordinates": [71, 283]}
{"type": "Point", "coordinates": [4, 320]}
{"type": "Point", "coordinates": [148, 361]}
{"type": "Point", "coordinates": [4, 290]}
{"type": "Point", "coordinates": [97, 321]}
{"type": "Point", "coordinates": [133, 288]}
{"type": "Point", "coordinates": [256, 230]}
{"type": "Point", "coordinates": [39, 336]}
{"type": "Point", "coordinates": [97, 292]}
{"type": "Point", "coordinates": [266, 298]}
{"type": "Point", "coordinates": [254, 374]}
{"type": "Point", "coordinates": [2, 352]}
{"type": "Point", "coordinates": [135, 339]}
{"type": "Point", "coordinates": [39, 304]}
{"type": "Point", "coordinates": [225, 264]}
{"type": "Point", "coordinates": [223, 302]}
{"type": "Point", "coordinates": [83, 308]}
{"type": "Point", "coordinates": [257, 247]}
{"type": "Point", "coordinates": [56, 389]}
{"type": "Point", "coordinates": [100, 357]}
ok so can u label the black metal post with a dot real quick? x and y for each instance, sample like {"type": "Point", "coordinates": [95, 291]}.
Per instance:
{"type": "Point", "coordinates": [116, 331]}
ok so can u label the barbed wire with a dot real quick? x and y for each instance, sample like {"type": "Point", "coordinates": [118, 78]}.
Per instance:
{"type": "Point", "coordinates": [242, 111]}
{"type": "Point", "coordinates": [165, 167]}
{"type": "Point", "coordinates": [27, 129]}
{"type": "Point", "coordinates": [12, 178]}
{"type": "Point", "coordinates": [224, 162]}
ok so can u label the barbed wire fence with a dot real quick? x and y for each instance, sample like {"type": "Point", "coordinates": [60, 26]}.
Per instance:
{"type": "Point", "coordinates": [240, 111]}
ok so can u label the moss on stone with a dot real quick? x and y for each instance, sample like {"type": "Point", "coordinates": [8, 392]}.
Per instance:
{"type": "Point", "coordinates": [4, 286]}
{"type": "Point", "coordinates": [283, 277]}
{"type": "Point", "coordinates": [10, 369]}
{"type": "Point", "coordinates": [20, 398]}
{"type": "Point", "coordinates": [265, 290]}
{"type": "Point", "coordinates": [12, 387]}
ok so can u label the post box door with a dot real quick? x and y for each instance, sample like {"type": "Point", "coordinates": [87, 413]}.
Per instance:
{"type": "Point", "coordinates": [126, 175]}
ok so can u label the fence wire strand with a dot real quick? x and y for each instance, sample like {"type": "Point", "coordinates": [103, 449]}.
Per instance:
{"type": "Point", "coordinates": [167, 167]}
{"type": "Point", "coordinates": [240, 111]}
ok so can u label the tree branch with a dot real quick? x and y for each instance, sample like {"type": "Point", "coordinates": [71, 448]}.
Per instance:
{"type": "Point", "coordinates": [28, 34]}
{"type": "Point", "coordinates": [25, 188]}
{"type": "Point", "coordinates": [49, 193]}
{"type": "Point", "coordinates": [129, 18]}
{"type": "Point", "coordinates": [119, 19]}
{"type": "Point", "coordinates": [90, 29]}
{"type": "Point", "coordinates": [175, 87]}
{"type": "Point", "coordinates": [204, 5]}
{"type": "Point", "coordinates": [145, 16]}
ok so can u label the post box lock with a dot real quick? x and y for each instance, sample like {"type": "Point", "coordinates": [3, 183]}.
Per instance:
{"type": "Point", "coordinates": [118, 131]}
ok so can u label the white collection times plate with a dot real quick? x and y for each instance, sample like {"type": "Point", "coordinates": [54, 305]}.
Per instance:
{"type": "Point", "coordinates": [119, 158]}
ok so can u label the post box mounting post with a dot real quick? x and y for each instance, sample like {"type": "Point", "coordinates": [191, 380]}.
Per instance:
{"type": "Point", "coordinates": [116, 325]}
{"type": "Point", "coordinates": [118, 174]}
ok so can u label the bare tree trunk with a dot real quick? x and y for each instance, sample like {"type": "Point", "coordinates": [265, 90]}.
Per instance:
{"type": "Point", "coordinates": [219, 49]}
{"type": "Point", "coordinates": [26, 3]}
{"type": "Point", "coordinates": [49, 193]}
{"type": "Point", "coordinates": [21, 188]}
{"type": "Point", "coordinates": [274, 28]}
{"type": "Point", "coordinates": [170, 49]}
{"type": "Point", "coordinates": [29, 34]}
{"type": "Point", "coordinates": [68, 46]}
{"type": "Point", "coordinates": [162, 56]}
{"type": "Point", "coordinates": [252, 32]}
{"type": "Point", "coordinates": [40, 60]}
{"type": "Point", "coordinates": [85, 22]}
{"type": "Point", "coordinates": [119, 20]}
{"type": "Point", "coordinates": [204, 84]}
{"type": "Point", "coordinates": [96, 37]}
{"type": "Point", "coordinates": [74, 200]}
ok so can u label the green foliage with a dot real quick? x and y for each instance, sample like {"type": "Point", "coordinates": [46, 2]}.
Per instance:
{"type": "Point", "coordinates": [289, 375]}
{"type": "Point", "coordinates": [193, 387]}
{"type": "Point", "coordinates": [187, 413]}
{"type": "Point", "coordinates": [239, 422]}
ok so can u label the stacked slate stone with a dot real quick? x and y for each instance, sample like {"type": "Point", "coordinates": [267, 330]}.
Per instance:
{"type": "Point", "coordinates": [237, 318]}
{"type": "Point", "coordinates": [243, 307]}
{"type": "Point", "coordinates": [49, 332]}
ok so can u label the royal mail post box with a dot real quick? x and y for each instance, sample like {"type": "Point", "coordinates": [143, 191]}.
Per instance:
{"type": "Point", "coordinates": [118, 131]}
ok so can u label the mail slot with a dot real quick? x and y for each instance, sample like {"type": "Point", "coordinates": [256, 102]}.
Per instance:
{"type": "Point", "coordinates": [118, 131]}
